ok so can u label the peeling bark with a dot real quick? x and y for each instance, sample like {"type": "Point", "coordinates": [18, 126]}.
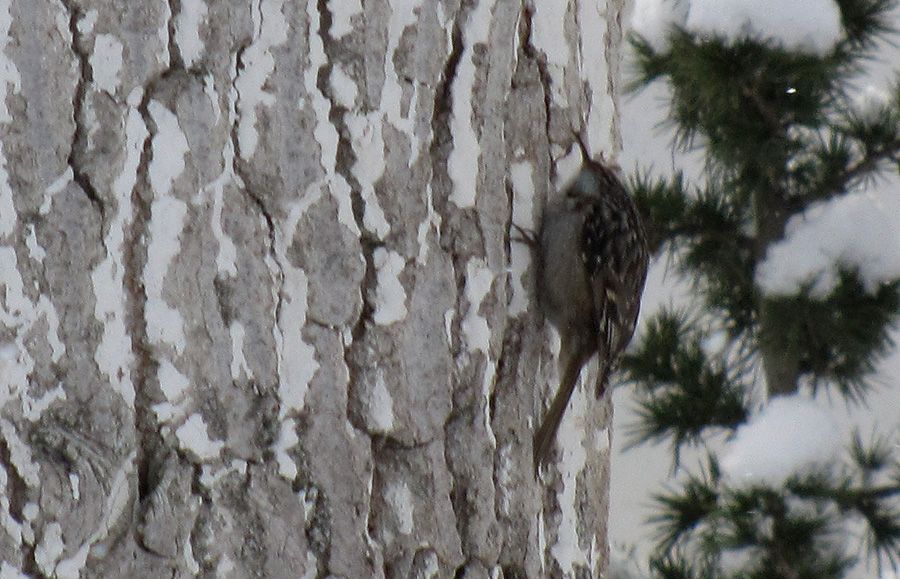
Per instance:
{"type": "Point", "coordinates": [254, 324]}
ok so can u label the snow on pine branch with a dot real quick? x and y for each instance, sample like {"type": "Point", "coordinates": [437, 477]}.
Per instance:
{"type": "Point", "coordinates": [805, 25]}
{"type": "Point", "coordinates": [858, 231]}
{"type": "Point", "coordinates": [791, 435]}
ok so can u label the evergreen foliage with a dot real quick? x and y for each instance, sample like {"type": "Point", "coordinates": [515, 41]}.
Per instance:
{"type": "Point", "coordinates": [780, 132]}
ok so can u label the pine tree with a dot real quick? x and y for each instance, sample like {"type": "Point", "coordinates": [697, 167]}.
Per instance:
{"type": "Point", "coordinates": [782, 135]}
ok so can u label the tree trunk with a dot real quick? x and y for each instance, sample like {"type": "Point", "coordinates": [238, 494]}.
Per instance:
{"type": "Point", "coordinates": [778, 351]}
{"type": "Point", "coordinates": [260, 313]}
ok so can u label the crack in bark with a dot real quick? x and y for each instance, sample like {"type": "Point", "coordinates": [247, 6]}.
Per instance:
{"type": "Point", "coordinates": [368, 242]}
{"type": "Point", "coordinates": [176, 61]}
{"type": "Point", "coordinates": [17, 488]}
{"type": "Point", "coordinates": [457, 493]}
{"type": "Point", "coordinates": [439, 153]}
{"type": "Point", "coordinates": [439, 150]}
{"type": "Point", "coordinates": [256, 199]}
{"type": "Point", "coordinates": [345, 157]}
{"type": "Point", "coordinates": [198, 489]}
{"type": "Point", "coordinates": [77, 148]}
{"type": "Point", "coordinates": [526, 41]}
{"type": "Point", "coordinates": [151, 453]}
{"type": "Point", "coordinates": [443, 101]}
{"type": "Point", "coordinates": [134, 261]}
{"type": "Point", "coordinates": [150, 446]}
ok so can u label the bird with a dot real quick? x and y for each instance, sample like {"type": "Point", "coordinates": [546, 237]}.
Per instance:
{"type": "Point", "coordinates": [592, 259]}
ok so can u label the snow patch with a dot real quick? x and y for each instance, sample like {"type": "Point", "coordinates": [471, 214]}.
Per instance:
{"type": "Point", "coordinates": [12, 527]}
{"type": "Point", "coordinates": [225, 567]}
{"type": "Point", "coordinates": [7, 571]}
{"type": "Point", "coordinates": [296, 358]}
{"type": "Point", "coordinates": [71, 568]}
{"type": "Point", "coordinates": [390, 295]}
{"type": "Point", "coordinates": [174, 385]}
{"type": "Point", "coordinates": [603, 115]}
{"type": "Point", "coordinates": [19, 312]}
{"type": "Point", "coordinates": [33, 408]}
{"type": "Point", "coordinates": [9, 353]}
{"type": "Point", "coordinates": [87, 22]}
{"type": "Point", "coordinates": [505, 478]}
{"type": "Point", "coordinates": [549, 36]}
{"type": "Point", "coordinates": [8, 214]}
{"type": "Point", "coordinates": [431, 567]}
{"type": "Point", "coordinates": [31, 511]}
{"type": "Point", "coordinates": [403, 15]}
{"type": "Point", "coordinates": [342, 12]}
{"type": "Point", "coordinates": [169, 148]}
{"type": "Point", "coordinates": [856, 231]}
{"type": "Point", "coordinates": [381, 405]}
{"type": "Point", "coordinates": [164, 323]}
{"type": "Point", "coordinates": [297, 363]}
{"type": "Point", "coordinates": [550, 31]}
{"type": "Point", "coordinates": [541, 539]}
{"type": "Point", "coordinates": [343, 87]}
{"type": "Point", "coordinates": [209, 89]}
{"type": "Point", "coordinates": [210, 476]}
{"type": "Point", "coordinates": [325, 132]}
{"type": "Point", "coordinates": [193, 437]}
{"type": "Point", "coordinates": [9, 74]}
{"type": "Point", "coordinates": [50, 549]}
{"type": "Point", "coordinates": [226, 257]}
{"type": "Point", "coordinates": [114, 355]}
{"type": "Point", "coordinates": [35, 251]}
{"type": "Point", "coordinates": [75, 483]}
{"type": "Point", "coordinates": [162, 32]}
{"type": "Point", "coordinates": [238, 361]}
{"type": "Point", "coordinates": [368, 145]}
{"type": "Point", "coordinates": [52, 189]}
{"type": "Point", "coordinates": [287, 439]}
{"type": "Point", "coordinates": [400, 498]}
{"type": "Point", "coordinates": [464, 159]}
{"type": "Point", "coordinates": [431, 221]}
{"type": "Point", "coordinates": [20, 455]}
{"type": "Point", "coordinates": [270, 30]}
{"type": "Point", "coordinates": [566, 550]}
{"type": "Point", "coordinates": [193, 567]}
{"type": "Point", "coordinates": [475, 329]}
{"type": "Point", "coordinates": [15, 363]}
{"type": "Point", "coordinates": [106, 63]}
{"type": "Point", "coordinates": [522, 180]}
{"type": "Point", "coordinates": [791, 435]}
{"type": "Point", "coordinates": [487, 387]}
{"type": "Point", "coordinates": [187, 30]}
{"type": "Point", "coordinates": [602, 440]}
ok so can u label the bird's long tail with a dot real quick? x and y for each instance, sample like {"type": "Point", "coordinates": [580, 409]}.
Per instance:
{"type": "Point", "coordinates": [546, 434]}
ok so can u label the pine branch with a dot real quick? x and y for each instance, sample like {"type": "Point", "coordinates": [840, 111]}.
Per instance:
{"type": "Point", "coordinates": [846, 180]}
{"type": "Point", "coordinates": [686, 390]}
{"type": "Point", "coordinates": [865, 22]}
{"type": "Point", "coordinates": [780, 133]}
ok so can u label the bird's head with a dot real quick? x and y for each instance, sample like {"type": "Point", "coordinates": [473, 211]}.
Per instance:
{"type": "Point", "coordinates": [595, 176]}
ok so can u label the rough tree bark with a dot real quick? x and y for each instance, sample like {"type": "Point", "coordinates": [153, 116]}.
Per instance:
{"type": "Point", "coordinates": [260, 315]}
